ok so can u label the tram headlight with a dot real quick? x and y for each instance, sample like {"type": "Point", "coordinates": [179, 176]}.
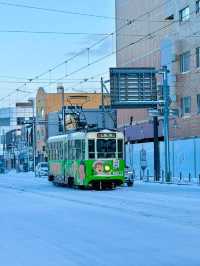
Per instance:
{"type": "Point", "coordinates": [107, 168]}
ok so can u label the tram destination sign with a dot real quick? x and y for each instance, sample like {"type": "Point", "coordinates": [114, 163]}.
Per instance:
{"type": "Point", "coordinates": [133, 87]}
{"type": "Point", "coordinates": [106, 135]}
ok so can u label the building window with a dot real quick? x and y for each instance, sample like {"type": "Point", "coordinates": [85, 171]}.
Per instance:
{"type": "Point", "coordinates": [186, 105]}
{"type": "Point", "coordinates": [184, 14]}
{"type": "Point", "coordinates": [185, 62]}
{"type": "Point", "coordinates": [198, 103]}
{"type": "Point", "coordinates": [197, 7]}
{"type": "Point", "coordinates": [20, 121]}
{"type": "Point", "coordinates": [198, 57]}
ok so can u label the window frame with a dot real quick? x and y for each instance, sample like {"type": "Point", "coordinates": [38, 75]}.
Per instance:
{"type": "Point", "coordinates": [183, 63]}
{"type": "Point", "coordinates": [198, 103]}
{"type": "Point", "coordinates": [120, 154]}
{"type": "Point", "coordinates": [103, 143]}
{"type": "Point", "coordinates": [198, 57]}
{"type": "Point", "coordinates": [197, 8]}
{"type": "Point", "coordinates": [93, 152]}
{"type": "Point", "coordinates": [184, 17]}
{"type": "Point", "coordinates": [183, 105]}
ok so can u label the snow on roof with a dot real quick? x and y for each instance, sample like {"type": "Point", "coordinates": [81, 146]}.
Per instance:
{"type": "Point", "coordinates": [80, 135]}
{"type": "Point", "coordinates": [67, 136]}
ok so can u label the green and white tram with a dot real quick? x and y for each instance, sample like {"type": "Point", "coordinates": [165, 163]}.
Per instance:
{"type": "Point", "coordinates": [87, 159]}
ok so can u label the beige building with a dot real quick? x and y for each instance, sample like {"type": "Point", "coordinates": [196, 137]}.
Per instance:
{"type": "Point", "coordinates": [161, 33]}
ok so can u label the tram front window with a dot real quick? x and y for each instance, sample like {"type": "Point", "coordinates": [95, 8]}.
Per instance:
{"type": "Point", "coordinates": [106, 148]}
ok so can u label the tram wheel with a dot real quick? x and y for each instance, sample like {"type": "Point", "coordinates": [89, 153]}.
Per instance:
{"type": "Point", "coordinates": [50, 178]}
{"type": "Point", "coordinates": [70, 181]}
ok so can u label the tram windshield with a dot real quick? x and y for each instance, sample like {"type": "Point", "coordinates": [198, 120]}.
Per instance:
{"type": "Point", "coordinates": [106, 148]}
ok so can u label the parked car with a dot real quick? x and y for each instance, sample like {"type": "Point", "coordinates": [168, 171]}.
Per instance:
{"type": "Point", "coordinates": [129, 176]}
{"type": "Point", "coordinates": [42, 169]}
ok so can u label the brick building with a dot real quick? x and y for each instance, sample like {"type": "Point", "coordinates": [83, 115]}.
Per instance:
{"type": "Point", "coordinates": [164, 33]}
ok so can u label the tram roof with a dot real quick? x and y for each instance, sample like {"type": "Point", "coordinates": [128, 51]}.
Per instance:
{"type": "Point", "coordinates": [79, 134]}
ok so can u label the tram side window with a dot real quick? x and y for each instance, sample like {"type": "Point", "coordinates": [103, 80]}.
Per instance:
{"type": "Point", "coordinates": [78, 149]}
{"type": "Point", "coordinates": [69, 150]}
{"type": "Point", "coordinates": [60, 151]}
{"type": "Point", "coordinates": [83, 150]}
{"type": "Point", "coordinates": [73, 150]}
{"type": "Point", "coordinates": [49, 152]}
{"type": "Point", "coordinates": [120, 148]}
{"type": "Point", "coordinates": [91, 148]}
{"type": "Point", "coordinates": [55, 151]}
{"type": "Point", "coordinates": [66, 151]}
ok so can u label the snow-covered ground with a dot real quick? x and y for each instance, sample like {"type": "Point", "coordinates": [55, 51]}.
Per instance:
{"type": "Point", "coordinates": [147, 225]}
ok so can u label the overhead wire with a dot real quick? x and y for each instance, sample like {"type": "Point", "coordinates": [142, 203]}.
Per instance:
{"type": "Point", "coordinates": [93, 45]}
{"type": "Point", "coordinates": [67, 12]}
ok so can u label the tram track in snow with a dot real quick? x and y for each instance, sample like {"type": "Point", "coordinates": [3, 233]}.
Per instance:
{"type": "Point", "coordinates": [68, 199]}
{"type": "Point", "coordinates": [114, 203]}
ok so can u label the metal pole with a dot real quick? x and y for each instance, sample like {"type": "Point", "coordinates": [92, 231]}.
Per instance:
{"type": "Point", "coordinates": [156, 150]}
{"type": "Point", "coordinates": [34, 138]}
{"type": "Point", "coordinates": [195, 158]}
{"type": "Point", "coordinates": [27, 141]}
{"type": "Point", "coordinates": [173, 158]}
{"type": "Point", "coordinates": [102, 104]}
{"type": "Point", "coordinates": [166, 124]}
{"type": "Point", "coordinates": [4, 142]}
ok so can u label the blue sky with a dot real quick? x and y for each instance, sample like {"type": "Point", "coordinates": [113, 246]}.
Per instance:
{"type": "Point", "coordinates": [27, 55]}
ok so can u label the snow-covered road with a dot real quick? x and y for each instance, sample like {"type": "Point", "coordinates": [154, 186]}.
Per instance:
{"type": "Point", "coordinates": [147, 225]}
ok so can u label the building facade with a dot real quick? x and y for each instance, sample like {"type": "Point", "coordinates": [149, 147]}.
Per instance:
{"type": "Point", "coordinates": [161, 33]}
{"type": "Point", "coordinates": [16, 135]}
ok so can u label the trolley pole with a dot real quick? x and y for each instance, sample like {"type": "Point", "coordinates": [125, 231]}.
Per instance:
{"type": "Point", "coordinates": [166, 123]}
{"type": "Point", "coordinates": [102, 104]}
{"type": "Point", "coordinates": [63, 107]}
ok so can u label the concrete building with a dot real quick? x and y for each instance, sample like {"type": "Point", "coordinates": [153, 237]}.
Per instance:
{"type": "Point", "coordinates": [14, 131]}
{"type": "Point", "coordinates": [161, 33]}
{"type": "Point", "coordinates": [52, 103]}
{"type": "Point", "coordinates": [7, 122]}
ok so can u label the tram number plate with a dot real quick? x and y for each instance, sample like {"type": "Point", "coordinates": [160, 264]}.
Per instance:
{"type": "Point", "coordinates": [116, 164]}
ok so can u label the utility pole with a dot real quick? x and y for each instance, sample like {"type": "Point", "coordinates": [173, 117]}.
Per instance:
{"type": "Point", "coordinates": [34, 140]}
{"type": "Point", "coordinates": [61, 90]}
{"type": "Point", "coordinates": [102, 104]}
{"type": "Point", "coordinates": [27, 144]}
{"type": "Point", "coordinates": [34, 134]}
{"type": "Point", "coordinates": [166, 123]}
{"type": "Point", "coordinates": [4, 146]}
{"type": "Point", "coordinates": [156, 149]}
